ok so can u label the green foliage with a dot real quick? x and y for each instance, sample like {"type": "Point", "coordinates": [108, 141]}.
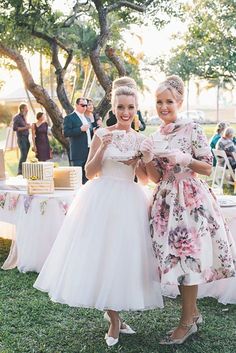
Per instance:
{"type": "Point", "coordinates": [57, 148]}
{"type": "Point", "coordinates": [208, 46]}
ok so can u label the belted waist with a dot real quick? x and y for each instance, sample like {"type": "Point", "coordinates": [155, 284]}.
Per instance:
{"type": "Point", "coordinates": [178, 176]}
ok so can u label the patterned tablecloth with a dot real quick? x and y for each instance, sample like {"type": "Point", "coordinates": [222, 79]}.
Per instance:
{"type": "Point", "coordinates": [32, 222]}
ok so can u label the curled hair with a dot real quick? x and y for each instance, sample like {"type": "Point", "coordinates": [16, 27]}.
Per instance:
{"type": "Point", "coordinates": [175, 85]}
{"type": "Point", "coordinates": [124, 86]}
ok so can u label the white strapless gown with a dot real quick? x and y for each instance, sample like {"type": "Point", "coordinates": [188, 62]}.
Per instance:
{"type": "Point", "coordinates": [102, 257]}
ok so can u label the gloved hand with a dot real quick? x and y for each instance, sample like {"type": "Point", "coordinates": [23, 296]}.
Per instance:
{"type": "Point", "coordinates": [178, 157]}
{"type": "Point", "coordinates": [147, 150]}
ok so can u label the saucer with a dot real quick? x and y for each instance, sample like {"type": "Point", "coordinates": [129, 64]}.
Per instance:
{"type": "Point", "coordinates": [163, 153]}
{"type": "Point", "coordinates": [122, 158]}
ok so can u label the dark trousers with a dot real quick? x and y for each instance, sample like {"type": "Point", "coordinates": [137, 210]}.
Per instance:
{"type": "Point", "coordinates": [24, 145]}
{"type": "Point", "coordinates": [79, 163]}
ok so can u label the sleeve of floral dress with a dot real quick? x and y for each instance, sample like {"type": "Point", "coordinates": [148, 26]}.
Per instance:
{"type": "Point", "coordinates": [200, 146]}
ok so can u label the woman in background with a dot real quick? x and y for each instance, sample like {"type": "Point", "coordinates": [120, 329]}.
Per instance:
{"type": "Point", "coordinates": [225, 143]}
{"type": "Point", "coordinates": [219, 131]}
{"type": "Point", "coordinates": [94, 121]}
{"type": "Point", "coordinates": [40, 139]}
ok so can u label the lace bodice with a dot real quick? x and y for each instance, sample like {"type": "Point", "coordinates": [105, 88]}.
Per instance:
{"type": "Point", "coordinates": [128, 144]}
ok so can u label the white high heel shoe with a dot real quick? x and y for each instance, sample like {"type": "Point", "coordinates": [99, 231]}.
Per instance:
{"type": "Point", "coordinates": [127, 330]}
{"type": "Point", "coordinates": [111, 341]}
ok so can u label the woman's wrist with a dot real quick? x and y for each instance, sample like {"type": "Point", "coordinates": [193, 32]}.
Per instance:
{"type": "Point", "coordinates": [191, 162]}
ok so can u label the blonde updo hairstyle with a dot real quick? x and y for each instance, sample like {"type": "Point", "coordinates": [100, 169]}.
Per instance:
{"type": "Point", "coordinates": [175, 85]}
{"type": "Point", "coordinates": [124, 86]}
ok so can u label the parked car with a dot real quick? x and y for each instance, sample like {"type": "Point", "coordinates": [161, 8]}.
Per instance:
{"type": "Point", "coordinates": [197, 116]}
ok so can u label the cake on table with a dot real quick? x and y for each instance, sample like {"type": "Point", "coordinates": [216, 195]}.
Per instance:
{"type": "Point", "coordinates": [67, 177]}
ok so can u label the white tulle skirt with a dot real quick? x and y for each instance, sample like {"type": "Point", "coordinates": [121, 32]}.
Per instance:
{"type": "Point", "coordinates": [102, 257]}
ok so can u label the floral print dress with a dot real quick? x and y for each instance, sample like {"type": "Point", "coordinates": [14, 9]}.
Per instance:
{"type": "Point", "coordinates": [191, 241]}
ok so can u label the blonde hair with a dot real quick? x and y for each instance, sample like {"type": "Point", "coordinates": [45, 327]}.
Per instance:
{"type": "Point", "coordinates": [124, 86]}
{"type": "Point", "coordinates": [175, 85]}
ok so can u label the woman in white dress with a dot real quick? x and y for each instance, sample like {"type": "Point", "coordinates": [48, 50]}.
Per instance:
{"type": "Point", "coordinates": [191, 243]}
{"type": "Point", "coordinates": [106, 262]}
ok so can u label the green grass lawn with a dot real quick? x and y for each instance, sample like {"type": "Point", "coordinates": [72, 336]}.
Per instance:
{"type": "Point", "coordinates": [31, 323]}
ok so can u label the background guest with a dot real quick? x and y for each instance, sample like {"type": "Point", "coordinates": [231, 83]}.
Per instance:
{"type": "Point", "coordinates": [76, 127]}
{"type": "Point", "coordinates": [95, 121]}
{"type": "Point", "coordinates": [22, 128]}
{"type": "Point", "coordinates": [138, 123]}
{"type": "Point", "coordinates": [41, 145]}
{"type": "Point", "coordinates": [215, 138]}
{"type": "Point", "coordinates": [226, 144]}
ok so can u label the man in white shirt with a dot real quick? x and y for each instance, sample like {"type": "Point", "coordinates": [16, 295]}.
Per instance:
{"type": "Point", "coordinates": [76, 127]}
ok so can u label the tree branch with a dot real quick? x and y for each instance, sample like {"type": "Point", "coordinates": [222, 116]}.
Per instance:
{"type": "Point", "coordinates": [118, 63]}
{"type": "Point", "coordinates": [40, 94]}
{"type": "Point", "coordinates": [71, 19]}
{"type": "Point", "coordinates": [128, 4]}
{"type": "Point", "coordinates": [60, 71]}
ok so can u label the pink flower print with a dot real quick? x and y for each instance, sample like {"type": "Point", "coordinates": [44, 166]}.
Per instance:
{"type": "Point", "coordinates": [160, 217]}
{"type": "Point", "coordinates": [192, 196]}
{"type": "Point", "coordinates": [208, 275]}
{"type": "Point", "coordinates": [184, 242]}
{"type": "Point", "coordinates": [3, 199]}
{"type": "Point", "coordinates": [13, 202]}
{"type": "Point", "coordinates": [64, 206]}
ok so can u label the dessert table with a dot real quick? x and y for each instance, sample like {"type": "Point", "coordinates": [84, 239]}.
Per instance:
{"type": "Point", "coordinates": [32, 222]}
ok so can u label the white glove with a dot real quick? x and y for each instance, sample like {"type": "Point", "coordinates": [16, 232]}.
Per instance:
{"type": "Point", "coordinates": [147, 150]}
{"type": "Point", "coordinates": [178, 157]}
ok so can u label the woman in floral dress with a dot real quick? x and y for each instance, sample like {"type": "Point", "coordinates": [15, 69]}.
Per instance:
{"type": "Point", "coordinates": [192, 245]}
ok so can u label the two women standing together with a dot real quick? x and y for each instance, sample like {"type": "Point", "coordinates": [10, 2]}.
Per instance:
{"type": "Point", "coordinates": [119, 262]}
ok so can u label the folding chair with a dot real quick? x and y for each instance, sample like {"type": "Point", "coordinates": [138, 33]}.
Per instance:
{"type": "Point", "coordinates": [223, 171]}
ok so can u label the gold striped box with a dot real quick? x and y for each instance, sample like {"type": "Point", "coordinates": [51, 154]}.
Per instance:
{"type": "Point", "coordinates": [40, 186]}
{"type": "Point", "coordinates": [39, 170]}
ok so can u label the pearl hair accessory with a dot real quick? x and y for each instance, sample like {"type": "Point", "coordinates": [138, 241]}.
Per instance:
{"type": "Point", "coordinates": [176, 85]}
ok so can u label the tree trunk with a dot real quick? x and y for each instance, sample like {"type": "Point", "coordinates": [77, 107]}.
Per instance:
{"type": "Point", "coordinates": [40, 94]}
{"type": "Point", "coordinates": [218, 103]}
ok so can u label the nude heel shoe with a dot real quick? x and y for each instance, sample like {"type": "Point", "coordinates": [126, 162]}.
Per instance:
{"type": "Point", "coordinates": [168, 340]}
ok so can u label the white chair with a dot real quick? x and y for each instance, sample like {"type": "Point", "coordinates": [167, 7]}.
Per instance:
{"type": "Point", "coordinates": [223, 171]}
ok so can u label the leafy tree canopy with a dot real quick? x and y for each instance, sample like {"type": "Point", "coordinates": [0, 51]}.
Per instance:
{"type": "Point", "coordinates": [207, 49]}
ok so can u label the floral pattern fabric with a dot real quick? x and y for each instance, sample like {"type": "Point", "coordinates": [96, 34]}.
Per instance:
{"type": "Point", "coordinates": [191, 242]}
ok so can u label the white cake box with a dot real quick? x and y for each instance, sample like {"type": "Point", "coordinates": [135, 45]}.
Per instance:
{"type": "Point", "coordinates": [39, 170]}
{"type": "Point", "coordinates": [40, 186]}
{"type": "Point", "coordinates": [67, 177]}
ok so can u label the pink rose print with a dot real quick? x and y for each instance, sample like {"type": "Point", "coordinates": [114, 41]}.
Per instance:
{"type": "Point", "coordinates": [184, 242]}
{"type": "Point", "coordinates": [192, 195]}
